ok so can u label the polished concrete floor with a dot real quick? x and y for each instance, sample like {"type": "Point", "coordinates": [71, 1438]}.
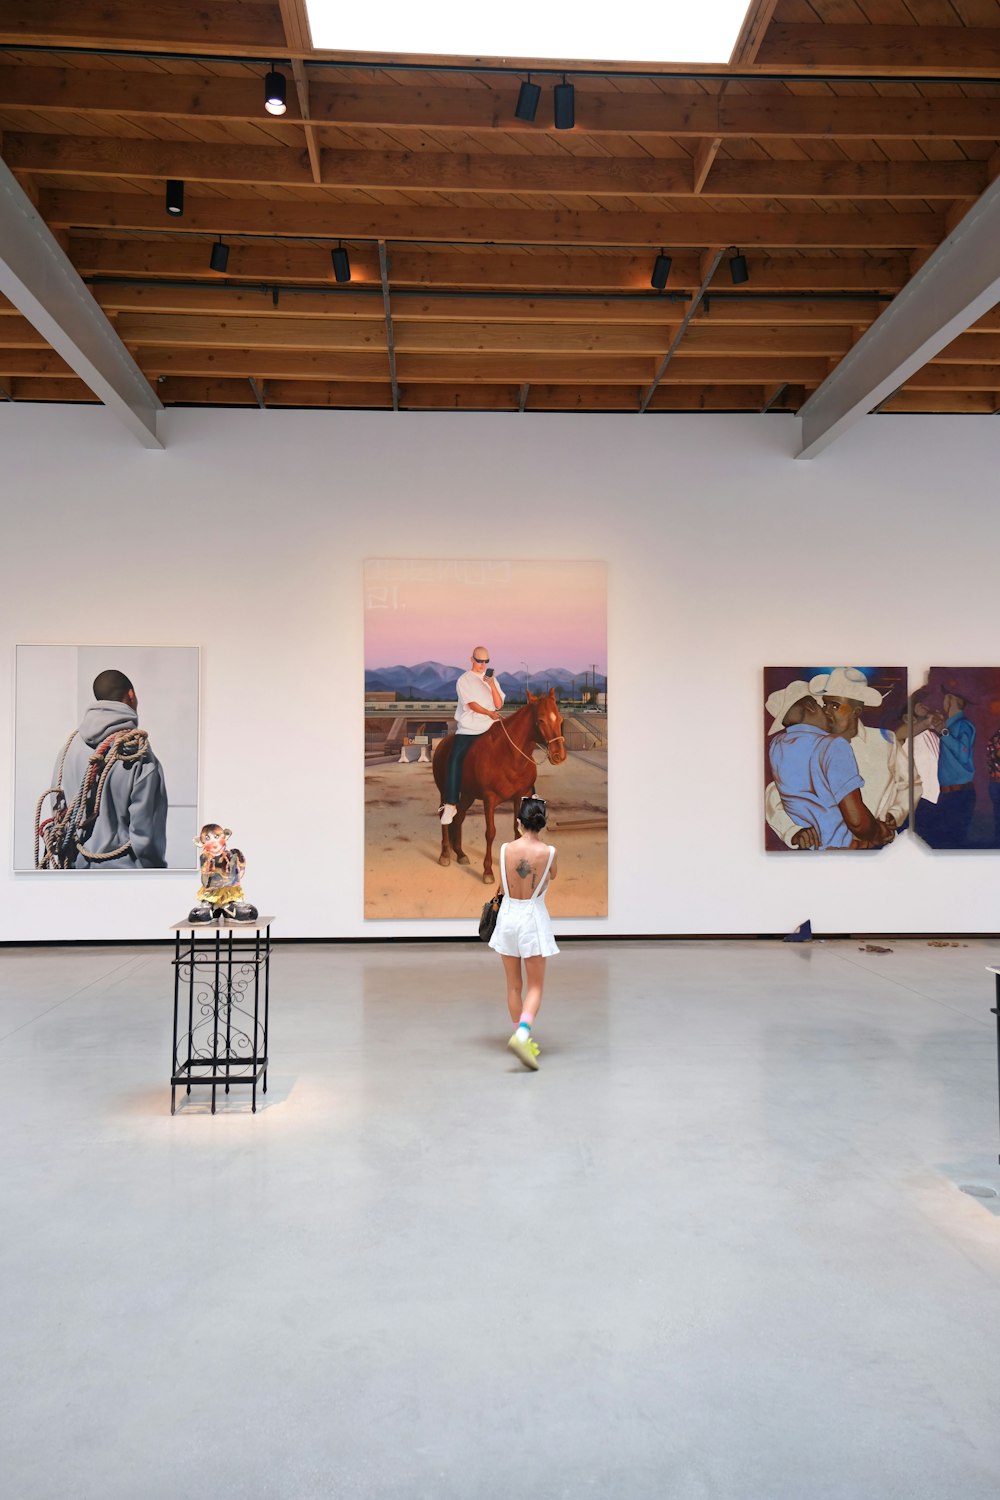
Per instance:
{"type": "Point", "coordinates": [717, 1247]}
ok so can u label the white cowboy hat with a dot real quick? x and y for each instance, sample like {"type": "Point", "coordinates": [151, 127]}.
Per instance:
{"type": "Point", "coordinates": [781, 701]}
{"type": "Point", "coordinates": [845, 682]}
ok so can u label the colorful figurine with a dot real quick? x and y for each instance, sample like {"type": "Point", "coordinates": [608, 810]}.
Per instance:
{"type": "Point", "coordinates": [221, 893]}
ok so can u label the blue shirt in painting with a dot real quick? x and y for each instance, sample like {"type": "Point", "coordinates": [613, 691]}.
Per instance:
{"type": "Point", "coordinates": [814, 771]}
{"type": "Point", "coordinates": [955, 764]}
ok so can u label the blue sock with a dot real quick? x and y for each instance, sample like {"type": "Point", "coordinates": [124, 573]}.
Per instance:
{"type": "Point", "coordinates": [523, 1030]}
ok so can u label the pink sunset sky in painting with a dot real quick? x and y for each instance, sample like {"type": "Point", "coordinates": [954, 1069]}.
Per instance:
{"type": "Point", "coordinates": [548, 614]}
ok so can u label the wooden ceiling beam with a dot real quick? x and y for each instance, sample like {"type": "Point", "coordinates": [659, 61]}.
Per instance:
{"type": "Point", "coordinates": [341, 393]}
{"type": "Point", "coordinates": [943, 49]}
{"type": "Point", "coordinates": [935, 377]}
{"type": "Point", "coordinates": [27, 389]}
{"type": "Point", "coordinates": [264, 364]}
{"type": "Point", "coordinates": [233, 301]}
{"type": "Point", "coordinates": [36, 362]}
{"type": "Point", "coordinates": [534, 337]}
{"type": "Point", "coordinates": [192, 391]}
{"type": "Point", "coordinates": [417, 397]}
{"type": "Point", "coordinates": [763, 113]}
{"type": "Point", "coordinates": [295, 25]}
{"type": "Point", "coordinates": [486, 172]}
{"type": "Point", "coordinates": [772, 312]}
{"type": "Point", "coordinates": [888, 231]}
{"type": "Point", "coordinates": [249, 28]}
{"type": "Point", "coordinates": [514, 270]}
{"type": "Point", "coordinates": [418, 307]}
{"type": "Point", "coordinates": [278, 332]}
{"type": "Point", "coordinates": [249, 260]}
{"type": "Point", "coordinates": [968, 348]}
{"type": "Point", "coordinates": [672, 397]}
{"type": "Point", "coordinates": [17, 333]}
{"type": "Point", "coordinates": [723, 341]}
{"type": "Point", "coordinates": [748, 43]}
{"type": "Point", "coordinates": [764, 370]}
{"type": "Point", "coordinates": [981, 403]}
{"type": "Point", "coordinates": [172, 391]}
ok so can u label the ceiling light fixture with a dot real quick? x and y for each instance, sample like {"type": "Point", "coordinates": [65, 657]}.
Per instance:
{"type": "Point", "coordinates": [341, 264]}
{"type": "Point", "coordinates": [661, 270]}
{"type": "Point", "coordinates": [738, 269]}
{"type": "Point", "coordinates": [219, 258]}
{"type": "Point", "coordinates": [175, 197]}
{"type": "Point", "coordinates": [527, 100]}
{"type": "Point", "coordinates": [275, 92]}
{"type": "Point", "coordinates": [564, 105]}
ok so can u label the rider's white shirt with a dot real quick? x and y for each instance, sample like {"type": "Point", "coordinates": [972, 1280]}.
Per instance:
{"type": "Point", "coordinates": [471, 688]}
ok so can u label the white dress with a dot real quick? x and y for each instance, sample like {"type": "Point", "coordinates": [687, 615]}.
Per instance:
{"type": "Point", "coordinates": [524, 928]}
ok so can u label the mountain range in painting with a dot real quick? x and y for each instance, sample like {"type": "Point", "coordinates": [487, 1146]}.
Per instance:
{"type": "Point", "coordinates": [433, 679]}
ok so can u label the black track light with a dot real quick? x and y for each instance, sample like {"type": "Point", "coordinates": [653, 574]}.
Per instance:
{"type": "Point", "coordinates": [738, 269]}
{"type": "Point", "coordinates": [564, 106]}
{"type": "Point", "coordinates": [275, 93]}
{"type": "Point", "coordinates": [341, 264]}
{"type": "Point", "coordinates": [661, 270]}
{"type": "Point", "coordinates": [219, 258]}
{"type": "Point", "coordinates": [175, 197]}
{"type": "Point", "coordinates": [527, 100]}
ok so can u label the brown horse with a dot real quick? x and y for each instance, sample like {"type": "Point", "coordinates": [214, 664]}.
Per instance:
{"type": "Point", "coordinates": [500, 767]}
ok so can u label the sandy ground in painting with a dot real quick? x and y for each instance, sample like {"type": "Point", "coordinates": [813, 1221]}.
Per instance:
{"type": "Point", "coordinates": [403, 841]}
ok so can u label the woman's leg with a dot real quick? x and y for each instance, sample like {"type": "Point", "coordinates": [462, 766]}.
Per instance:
{"type": "Point", "coordinates": [512, 974]}
{"type": "Point", "coordinates": [522, 1043]}
{"type": "Point", "coordinates": [534, 969]}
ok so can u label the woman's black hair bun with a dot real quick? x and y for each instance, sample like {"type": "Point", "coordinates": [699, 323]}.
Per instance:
{"type": "Point", "coordinates": [532, 814]}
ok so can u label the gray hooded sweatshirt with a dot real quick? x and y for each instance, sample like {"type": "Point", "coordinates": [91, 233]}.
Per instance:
{"type": "Point", "coordinates": [134, 801]}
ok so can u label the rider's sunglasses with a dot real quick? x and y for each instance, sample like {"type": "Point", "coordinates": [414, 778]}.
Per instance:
{"type": "Point", "coordinates": [483, 661]}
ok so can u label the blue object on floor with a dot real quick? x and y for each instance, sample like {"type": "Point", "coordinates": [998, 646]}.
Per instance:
{"type": "Point", "coordinates": [801, 934]}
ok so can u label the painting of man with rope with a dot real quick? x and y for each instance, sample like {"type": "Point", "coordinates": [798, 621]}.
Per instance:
{"type": "Point", "coordinates": [484, 681]}
{"type": "Point", "coordinates": [104, 804]}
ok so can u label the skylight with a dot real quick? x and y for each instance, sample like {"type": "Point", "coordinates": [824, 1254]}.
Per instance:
{"type": "Point", "coordinates": [704, 32]}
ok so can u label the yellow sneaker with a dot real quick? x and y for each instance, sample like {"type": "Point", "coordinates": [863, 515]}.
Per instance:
{"type": "Point", "coordinates": [526, 1052]}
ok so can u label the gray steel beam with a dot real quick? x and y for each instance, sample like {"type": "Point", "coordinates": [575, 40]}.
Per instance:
{"type": "Point", "coordinates": [714, 257]}
{"type": "Point", "coordinates": [955, 286]}
{"type": "Point", "coordinates": [383, 265]}
{"type": "Point", "coordinates": [43, 284]}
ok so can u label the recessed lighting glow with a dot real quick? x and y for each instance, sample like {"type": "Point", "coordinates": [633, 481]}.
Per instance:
{"type": "Point", "coordinates": [702, 33]}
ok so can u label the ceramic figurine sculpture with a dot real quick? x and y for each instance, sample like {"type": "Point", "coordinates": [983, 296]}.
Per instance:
{"type": "Point", "coordinates": [221, 894]}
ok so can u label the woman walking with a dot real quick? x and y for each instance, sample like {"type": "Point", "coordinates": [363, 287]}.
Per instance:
{"type": "Point", "coordinates": [524, 928]}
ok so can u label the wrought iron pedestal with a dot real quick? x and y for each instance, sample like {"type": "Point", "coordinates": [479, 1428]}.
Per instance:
{"type": "Point", "coordinates": [222, 977]}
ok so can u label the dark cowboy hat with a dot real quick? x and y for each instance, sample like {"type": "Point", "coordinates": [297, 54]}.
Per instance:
{"type": "Point", "coordinates": [952, 682]}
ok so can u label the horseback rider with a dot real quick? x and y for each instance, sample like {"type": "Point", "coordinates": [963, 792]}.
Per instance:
{"type": "Point", "coordinates": [480, 699]}
{"type": "Point", "coordinates": [128, 820]}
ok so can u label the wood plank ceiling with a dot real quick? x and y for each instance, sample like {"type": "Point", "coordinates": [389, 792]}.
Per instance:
{"type": "Point", "coordinates": [835, 153]}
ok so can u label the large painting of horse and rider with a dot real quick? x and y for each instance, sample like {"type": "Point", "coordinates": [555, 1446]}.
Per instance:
{"type": "Point", "coordinates": [484, 679]}
{"type": "Point", "coordinates": [106, 758]}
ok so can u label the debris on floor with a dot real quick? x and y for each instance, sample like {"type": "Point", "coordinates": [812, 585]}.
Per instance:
{"type": "Point", "coordinates": [873, 948]}
{"type": "Point", "coordinates": [945, 943]}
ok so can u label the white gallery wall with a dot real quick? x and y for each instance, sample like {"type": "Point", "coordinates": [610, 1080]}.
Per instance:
{"type": "Point", "coordinates": [247, 537]}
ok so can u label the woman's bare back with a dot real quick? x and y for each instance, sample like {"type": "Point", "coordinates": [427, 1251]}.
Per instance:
{"type": "Point", "coordinates": [524, 863]}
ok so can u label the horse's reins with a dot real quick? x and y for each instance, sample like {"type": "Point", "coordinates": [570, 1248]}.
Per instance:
{"type": "Point", "coordinates": [548, 743]}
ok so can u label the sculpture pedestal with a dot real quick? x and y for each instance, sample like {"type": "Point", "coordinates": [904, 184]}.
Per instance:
{"type": "Point", "coordinates": [222, 973]}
